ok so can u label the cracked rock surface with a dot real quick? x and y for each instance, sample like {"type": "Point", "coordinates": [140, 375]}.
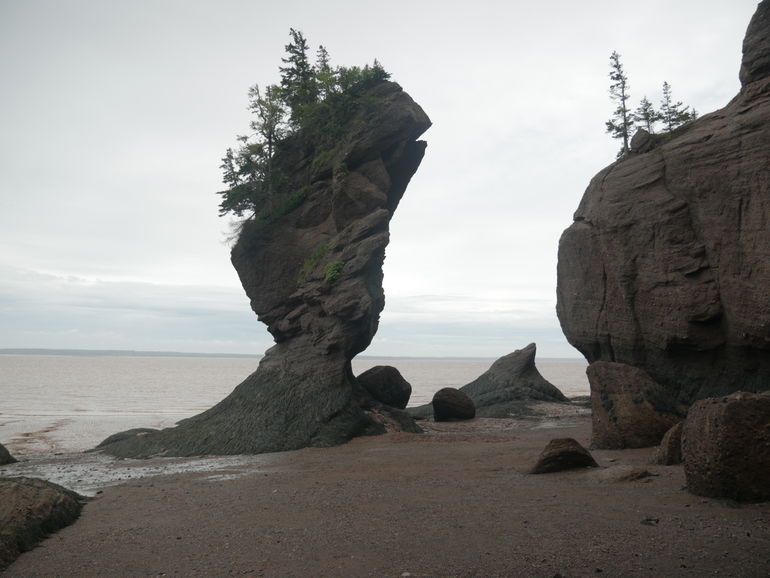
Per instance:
{"type": "Point", "coordinates": [666, 266]}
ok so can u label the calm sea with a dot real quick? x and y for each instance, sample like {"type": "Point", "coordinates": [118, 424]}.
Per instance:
{"type": "Point", "coordinates": [61, 403]}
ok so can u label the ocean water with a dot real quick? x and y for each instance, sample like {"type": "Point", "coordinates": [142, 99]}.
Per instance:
{"type": "Point", "coordinates": [63, 403]}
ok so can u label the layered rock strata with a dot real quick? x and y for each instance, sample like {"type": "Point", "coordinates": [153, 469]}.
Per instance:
{"type": "Point", "coordinates": [311, 266]}
{"type": "Point", "coordinates": [665, 267]}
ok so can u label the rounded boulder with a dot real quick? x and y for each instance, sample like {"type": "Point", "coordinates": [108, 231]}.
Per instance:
{"type": "Point", "coordinates": [450, 404]}
{"type": "Point", "coordinates": [386, 385]}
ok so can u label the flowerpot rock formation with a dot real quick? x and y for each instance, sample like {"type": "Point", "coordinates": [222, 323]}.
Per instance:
{"type": "Point", "coordinates": [312, 269]}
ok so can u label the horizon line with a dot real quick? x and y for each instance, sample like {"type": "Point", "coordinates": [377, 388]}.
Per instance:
{"type": "Point", "coordinates": [149, 353]}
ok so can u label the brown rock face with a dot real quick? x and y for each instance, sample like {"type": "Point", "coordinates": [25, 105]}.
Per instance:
{"type": "Point", "coordinates": [665, 267]}
{"type": "Point", "coordinates": [726, 447]}
{"type": "Point", "coordinates": [563, 454]}
{"type": "Point", "coordinates": [756, 47]}
{"type": "Point", "coordinates": [629, 410]}
{"type": "Point", "coordinates": [30, 509]}
{"type": "Point", "coordinates": [312, 268]}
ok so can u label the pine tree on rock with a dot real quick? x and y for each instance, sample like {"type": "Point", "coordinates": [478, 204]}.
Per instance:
{"type": "Point", "coordinates": [324, 73]}
{"type": "Point", "coordinates": [316, 98]}
{"type": "Point", "coordinates": [269, 128]}
{"type": "Point", "coordinates": [298, 81]}
{"type": "Point", "coordinates": [646, 115]}
{"type": "Point", "coordinates": [248, 171]}
{"type": "Point", "coordinates": [674, 114]}
{"type": "Point", "coordinates": [621, 124]}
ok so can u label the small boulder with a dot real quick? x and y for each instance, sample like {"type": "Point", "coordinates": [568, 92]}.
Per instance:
{"type": "Point", "coordinates": [629, 409]}
{"type": "Point", "coordinates": [30, 509]}
{"type": "Point", "coordinates": [641, 142]}
{"type": "Point", "coordinates": [726, 447]}
{"type": "Point", "coordinates": [386, 385]}
{"type": "Point", "coordinates": [669, 453]}
{"type": "Point", "coordinates": [5, 456]}
{"type": "Point", "coordinates": [450, 404]}
{"type": "Point", "coordinates": [563, 454]}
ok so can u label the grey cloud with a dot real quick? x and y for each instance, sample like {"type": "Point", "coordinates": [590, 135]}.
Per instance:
{"type": "Point", "coordinates": [114, 116]}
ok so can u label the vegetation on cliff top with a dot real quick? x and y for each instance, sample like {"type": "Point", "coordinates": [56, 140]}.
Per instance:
{"type": "Point", "coordinates": [624, 120]}
{"type": "Point", "coordinates": [312, 97]}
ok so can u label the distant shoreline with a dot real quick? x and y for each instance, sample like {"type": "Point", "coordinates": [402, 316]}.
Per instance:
{"type": "Point", "coordinates": [118, 353]}
{"type": "Point", "coordinates": [138, 353]}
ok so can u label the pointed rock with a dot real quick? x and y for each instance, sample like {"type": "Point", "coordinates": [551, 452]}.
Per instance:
{"type": "Point", "coordinates": [507, 388]}
{"type": "Point", "coordinates": [512, 379]}
{"type": "Point", "coordinates": [5, 456]}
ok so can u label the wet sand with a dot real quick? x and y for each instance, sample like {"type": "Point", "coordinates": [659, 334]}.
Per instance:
{"type": "Point", "coordinates": [456, 501]}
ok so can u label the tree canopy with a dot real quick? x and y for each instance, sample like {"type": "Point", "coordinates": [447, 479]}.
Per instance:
{"type": "Point", "coordinates": [309, 96]}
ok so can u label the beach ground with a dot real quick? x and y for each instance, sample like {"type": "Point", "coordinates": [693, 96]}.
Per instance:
{"type": "Point", "coordinates": [457, 501]}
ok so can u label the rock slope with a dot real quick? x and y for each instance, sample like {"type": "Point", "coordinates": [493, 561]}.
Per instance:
{"type": "Point", "coordinates": [507, 388]}
{"type": "Point", "coordinates": [312, 269]}
{"type": "Point", "coordinates": [665, 267]}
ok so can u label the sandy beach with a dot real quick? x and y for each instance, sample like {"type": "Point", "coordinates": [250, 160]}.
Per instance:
{"type": "Point", "coordinates": [456, 501]}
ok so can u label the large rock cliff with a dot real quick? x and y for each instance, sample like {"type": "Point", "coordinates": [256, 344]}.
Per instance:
{"type": "Point", "coordinates": [666, 266]}
{"type": "Point", "coordinates": [312, 267]}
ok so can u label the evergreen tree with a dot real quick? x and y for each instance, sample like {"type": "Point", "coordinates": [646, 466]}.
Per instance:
{"type": "Point", "coordinates": [674, 114]}
{"type": "Point", "coordinates": [318, 99]}
{"type": "Point", "coordinates": [325, 75]}
{"type": "Point", "coordinates": [269, 129]}
{"type": "Point", "coordinates": [622, 122]}
{"type": "Point", "coordinates": [646, 115]}
{"type": "Point", "coordinates": [248, 171]}
{"type": "Point", "coordinates": [298, 80]}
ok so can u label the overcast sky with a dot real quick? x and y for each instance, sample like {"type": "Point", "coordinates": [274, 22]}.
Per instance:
{"type": "Point", "coordinates": [114, 115]}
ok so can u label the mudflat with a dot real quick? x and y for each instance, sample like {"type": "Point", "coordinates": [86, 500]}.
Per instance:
{"type": "Point", "coordinates": [456, 501]}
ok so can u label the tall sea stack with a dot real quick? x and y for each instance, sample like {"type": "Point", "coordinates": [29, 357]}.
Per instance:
{"type": "Point", "coordinates": [312, 268]}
